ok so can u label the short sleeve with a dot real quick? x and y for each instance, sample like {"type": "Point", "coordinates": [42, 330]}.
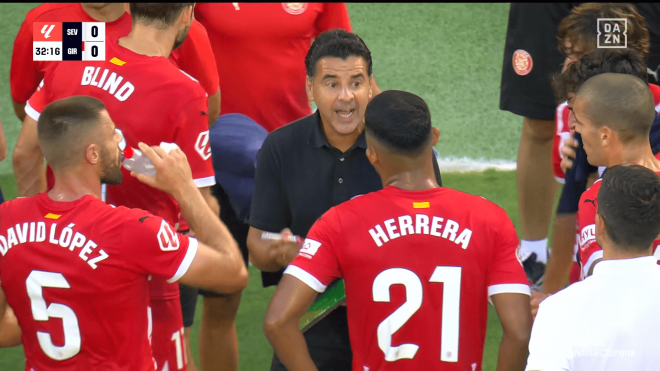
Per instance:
{"type": "Point", "coordinates": [269, 210]}
{"type": "Point", "coordinates": [156, 248]}
{"type": "Point", "coordinates": [506, 273]}
{"type": "Point", "coordinates": [25, 74]}
{"type": "Point", "coordinates": [590, 251]}
{"type": "Point", "coordinates": [334, 15]}
{"type": "Point", "coordinates": [548, 342]}
{"type": "Point", "coordinates": [196, 58]}
{"type": "Point", "coordinates": [37, 102]}
{"type": "Point", "coordinates": [316, 264]}
{"type": "Point", "coordinates": [193, 139]}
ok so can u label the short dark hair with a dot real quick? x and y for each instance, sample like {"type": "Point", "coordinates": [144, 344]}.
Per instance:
{"type": "Point", "coordinates": [629, 204]}
{"type": "Point", "coordinates": [580, 27]}
{"type": "Point", "coordinates": [595, 62]}
{"type": "Point", "coordinates": [399, 120]}
{"type": "Point", "coordinates": [621, 102]}
{"type": "Point", "coordinates": [339, 44]}
{"type": "Point", "coordinates": [159, 15]}
{"type": "Point", "coordinates": [63, 123]}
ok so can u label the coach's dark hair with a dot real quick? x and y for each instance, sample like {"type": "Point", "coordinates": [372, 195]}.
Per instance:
{"type": "Point", "coordinates": [399, 120]}
{"type": "Point", "coordinates": [63, 124]}
{"type": "Point", "coordinates": [595, 62]}
{"type": "Point", "coordinates": [339, 44]}
{"type": "Point", "coordinates": [629, 204]}
{"type": "Point", "coordinates": [580, 27]}
{"type": "Point", "coordinates": [159, 15]}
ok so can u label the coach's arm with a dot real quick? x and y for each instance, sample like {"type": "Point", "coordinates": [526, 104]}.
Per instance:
{"type": "Point", "coordinates": [28, 161]}
{"type": "Point", "coordinates": [269, 255]}
{"type": "Point", "coordinates": [516, 318]}
{"type": "Point", "coordinates": [291, 300]}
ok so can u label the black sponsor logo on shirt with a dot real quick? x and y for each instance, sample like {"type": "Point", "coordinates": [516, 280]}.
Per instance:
{"type": "Point", "coordinates": [592, 201]}
{"type": "Point", "coordinates": [141, 220]}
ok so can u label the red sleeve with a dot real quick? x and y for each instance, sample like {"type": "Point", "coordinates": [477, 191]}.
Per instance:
{"type": "Point", "coordinates": [193, 139]}
{"type": "Point", "coordinates": [196, 58]}
{"type": "Point", "coordinates": [25, 74]}
{"type": "Point", "coordinates": [506, 273]}
{"type": "Point", "coordinates": [156, 248]}
{"type": "Point", "coordinates": [562, 132]}
{"type": "Point", "coordinates": [334, 15]}
{"type": "Point", "coordinates": [589, 251]}
{"type": "Point", "coordinates": [37, 102]}
{"type": "Point", "coordinates": [317, 264]}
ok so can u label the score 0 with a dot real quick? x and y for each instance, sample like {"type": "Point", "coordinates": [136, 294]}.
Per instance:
{"type": "Point", "coordinates": [93, 41]}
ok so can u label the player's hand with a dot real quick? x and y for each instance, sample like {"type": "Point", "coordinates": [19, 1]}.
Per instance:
{"type": "Point", "coordinates": [173, 173]}
{"type": "Point", "coordinates": [285, 250]}
{"type": "Point", "coordinates": [568, 153]}
{"type": "Point", "coordinates": [536, 299]}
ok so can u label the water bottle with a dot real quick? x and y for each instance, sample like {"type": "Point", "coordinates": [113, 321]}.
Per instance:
{"type": "Point", "coordinates": [135, 160]}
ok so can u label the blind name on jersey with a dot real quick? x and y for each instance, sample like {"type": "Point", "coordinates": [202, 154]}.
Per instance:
{"type": "Point", "coordinates": [35, 232]}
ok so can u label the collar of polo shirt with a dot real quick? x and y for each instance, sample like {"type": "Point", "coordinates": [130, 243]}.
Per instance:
{"type": "Point", "coordinates": [630, 266]}
{"type": "Point", "coordinates": [319, 140]}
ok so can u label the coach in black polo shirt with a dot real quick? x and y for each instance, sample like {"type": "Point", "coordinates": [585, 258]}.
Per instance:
{"type": "Point", "coordinates": [311, 165]}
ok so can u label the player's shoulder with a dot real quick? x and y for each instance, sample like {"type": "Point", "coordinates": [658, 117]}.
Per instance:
{"type": "Point", "coordinates": [197, 30]}
{"type": "Point", "coordinates": [50, 12]}
{"type": "Point", "coordinates": [567, 300]}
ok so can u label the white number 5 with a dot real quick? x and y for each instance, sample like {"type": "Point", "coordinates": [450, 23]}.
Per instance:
{"type": "Point", "coordinates": [35, 283]}
{"type": "Point", "coordinates": [451, 300]}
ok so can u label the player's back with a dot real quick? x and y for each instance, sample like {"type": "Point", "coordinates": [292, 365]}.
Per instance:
{"type": "Point", "coordinates": [149, 100]}
{"type": "Point", "coordinates": [419, 267]}
{"type": "Point", "coordinates": [66, 270]}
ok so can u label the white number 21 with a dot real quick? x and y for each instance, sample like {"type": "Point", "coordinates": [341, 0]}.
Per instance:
{"type": "Point", "coordinates": [451, 299]}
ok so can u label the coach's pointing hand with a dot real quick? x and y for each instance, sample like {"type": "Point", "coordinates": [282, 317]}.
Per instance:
{"type": "Point", "coordinates": [285, 251]}
{"type": "Point", "coordinates": [173, 173]}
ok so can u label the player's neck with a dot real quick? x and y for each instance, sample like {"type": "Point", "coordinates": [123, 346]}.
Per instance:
{"type": "Point", "coordinates": [409, 175]}
{"type": "Point", "coordinates": [73, 184]}
{"type": "Point", "coordinates": [149, 41]}
{"type": "Point", "coordinates": [613, 253]}
{"type": "Point", "coordinates": [636, 153]}
{"type": "Point", "coordinates": [107, 13]}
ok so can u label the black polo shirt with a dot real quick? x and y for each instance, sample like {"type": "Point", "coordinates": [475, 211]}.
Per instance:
{"type": "Point", "coordinates": [300, 176]}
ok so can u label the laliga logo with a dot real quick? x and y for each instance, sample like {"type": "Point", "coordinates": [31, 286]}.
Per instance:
{"type": "Point", "coordinates": [47, 30]}
{"type": "Point", "coordinates": [167, 238]}
{"type": "Point", "coordinates": [202, 145]}
{"type": "Point", "coordinates": [610, 34]}
{"type": "Point", "coordinates": [294, 8]}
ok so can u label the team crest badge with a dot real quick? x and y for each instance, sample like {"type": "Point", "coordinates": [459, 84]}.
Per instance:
{"type": "Point", "coordinates": [294, 8]}
{"type": "Point", "coordinates": [522, 62]}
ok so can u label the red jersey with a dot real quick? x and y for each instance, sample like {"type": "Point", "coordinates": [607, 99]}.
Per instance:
{"type": "Point", "coordinates": [260, 51]}
{"type": "Point", "coordinates": [419, 268]}
{"type": "Point", "coordinates": [76, 274]}
{"type": "Point", "coordinates": [149, 100]}
{"type": "Point", "coordinates": [563, 131]}
{"type": "Point", "coordinates": [194, 56]}
{"type": "Point", "coordinates": [590, 251]}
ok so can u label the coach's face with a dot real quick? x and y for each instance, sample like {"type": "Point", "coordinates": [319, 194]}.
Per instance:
{"type": "Point", "coordinates": [110, 163]}
{"type": "Point", "coordinates": [591, 134]}
{"type": "Point", "coordinates": [341, 90]}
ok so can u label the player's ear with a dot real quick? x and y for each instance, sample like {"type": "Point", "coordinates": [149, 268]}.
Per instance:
{"type": "Point", "coordinates": [435, 132]}
{"type": "Point", "coordinates": [187, 15]}
{"type": "Point", "coordinates": [606, 135]}
{"type": "Point", "coordinates": [93, 154]}
{"type": "Point", "coordinates": [371, 155]}
{"type": "Point", "coordinates": [600, 229]}
{"type": "Point", "coordinates": [308, 89]}
{"type": "Point", "coordinates": [127, 8]}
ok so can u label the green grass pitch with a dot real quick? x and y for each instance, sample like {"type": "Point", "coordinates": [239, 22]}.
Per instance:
{"type": "Point", "coordinates": [449, 54]}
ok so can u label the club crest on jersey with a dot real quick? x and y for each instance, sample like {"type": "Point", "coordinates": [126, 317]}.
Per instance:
{"type": "Point", "coordinates": [309, 248]}
{"type": "Point", "coordinates": [522, 62]}
{"type": "Point", "coordinates": [294, 8]}
{"type": "Point", "coordinates": [167, 238]}
{"type": "Point", "coordinates": [202, 146]}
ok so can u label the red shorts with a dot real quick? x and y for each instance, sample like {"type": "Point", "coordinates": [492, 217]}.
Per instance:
{"type": "Point", "coordinates": [167, 335]}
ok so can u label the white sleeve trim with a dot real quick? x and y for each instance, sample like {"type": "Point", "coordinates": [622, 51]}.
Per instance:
{"type": "Point", "coordinates": [509, 288]}
{"type": "Point", "coordinates": [560, 180]}
{"type": "Point", "coordinates": [33, 113]}
{"type": "Point", "coordinates": [590, 262]}
{"type": "Point", "coordinates": [306, 278]}
{"type": "Point", "coordinates": [205, 182]}
{"type": "Point", "coordinates": [187, 260]}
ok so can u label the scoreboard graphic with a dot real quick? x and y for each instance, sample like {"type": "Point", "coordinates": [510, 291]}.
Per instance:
{"type": "Point", "coordinates": [68, 41]}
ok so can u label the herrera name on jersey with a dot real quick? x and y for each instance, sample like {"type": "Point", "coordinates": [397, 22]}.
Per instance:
{"type": "Point", "coordinates": [421, 225]}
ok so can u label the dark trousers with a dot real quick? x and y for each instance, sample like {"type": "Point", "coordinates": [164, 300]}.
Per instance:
{"type": "Point", "coordinates": [328, 344]}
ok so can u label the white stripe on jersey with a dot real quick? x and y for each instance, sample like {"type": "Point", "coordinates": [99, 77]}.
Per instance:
{"type": "Point", "coordinates": [32, 112]}
{"type": "Point", "coordinates": [205, 182]}
{"type": "Point", "coordinates": [306, 278]}
{"type": "Point", "coordinates": [187, 260]}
